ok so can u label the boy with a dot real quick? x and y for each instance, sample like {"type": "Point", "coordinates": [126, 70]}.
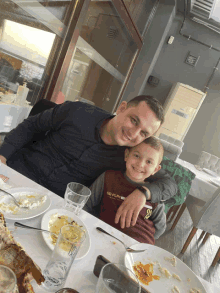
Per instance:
{"type": "Point", "coordinates": [142, 161]}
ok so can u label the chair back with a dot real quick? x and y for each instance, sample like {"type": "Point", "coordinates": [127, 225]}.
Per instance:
{"type": "Point", "coordinates": [183, 178]}
{"type": "Point", "coordinates": [209, 215]}
{"type": "Point", "coordinates": [209, 161]}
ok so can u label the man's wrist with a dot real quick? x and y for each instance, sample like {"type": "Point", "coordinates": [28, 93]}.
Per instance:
{"type": "Point", "coordinates": [145, 191]}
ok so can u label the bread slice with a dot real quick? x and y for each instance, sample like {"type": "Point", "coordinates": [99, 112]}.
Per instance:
{"type": "Point", "coordinates": [13, 256]}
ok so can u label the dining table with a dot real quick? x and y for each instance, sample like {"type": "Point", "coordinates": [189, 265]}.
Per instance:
{"type": "Point", "coordinates": [203, 185]}
{"type": "Point", "coordinates": [81, 276]}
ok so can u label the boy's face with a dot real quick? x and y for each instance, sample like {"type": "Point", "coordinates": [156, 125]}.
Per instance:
{"type": "Point", "coordinates": [142, 161]}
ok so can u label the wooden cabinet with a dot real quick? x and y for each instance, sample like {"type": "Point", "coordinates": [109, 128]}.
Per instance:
{"type": "Point", "coordinates": [181, 107]}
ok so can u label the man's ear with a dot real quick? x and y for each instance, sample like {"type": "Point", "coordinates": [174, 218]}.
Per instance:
{"type": "Point", "coordinates": [126, 154]}
{"type": "Point", "coordinates": [157, 169]}
{"type": "Point", "coordinates": [122, 107]}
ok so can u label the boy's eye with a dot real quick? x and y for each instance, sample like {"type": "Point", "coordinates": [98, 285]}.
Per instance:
{"type": "Point", "coordinates": [136, 155]}
{"type": "Point", "coordinates": [149, 162]}
{"type": "Point", "coordinates": [133, 121]}
{"type": "Point", "coordinates": [144, 134]}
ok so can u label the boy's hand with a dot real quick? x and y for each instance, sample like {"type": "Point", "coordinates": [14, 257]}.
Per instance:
{"type": "Point", "coordinates": [129, 210]}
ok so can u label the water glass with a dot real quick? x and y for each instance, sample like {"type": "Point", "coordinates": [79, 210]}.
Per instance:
{"type": "Point", "coordinates": [117, 278]}
{"type": "Point", "coordinates": [76, 196]}
{"type": "Point", "coordinates": [68, 243]}
{"type": "Point", "coordinates": [8, 280]}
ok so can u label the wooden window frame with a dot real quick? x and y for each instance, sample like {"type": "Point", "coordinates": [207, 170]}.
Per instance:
{"type": "Point", "coordinates": [54, 85]}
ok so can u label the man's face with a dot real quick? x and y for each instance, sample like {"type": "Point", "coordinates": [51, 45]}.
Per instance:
{"type": "Point", "coordinates": [134, 124]}
{"type": "Point", "coordinates": [142, 161]}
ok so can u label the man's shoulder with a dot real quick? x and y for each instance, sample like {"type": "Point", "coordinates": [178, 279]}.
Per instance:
{"type": "Point", "coordinates": [82, 106]}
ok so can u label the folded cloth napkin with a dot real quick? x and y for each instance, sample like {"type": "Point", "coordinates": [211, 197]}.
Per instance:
{"type": "Point", "coordinates": [3, 180]}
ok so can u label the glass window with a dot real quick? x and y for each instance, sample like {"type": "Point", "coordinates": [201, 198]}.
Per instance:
{"type": "Point", "coordinates": [30, 36]}
{"type": "Point", "coordinates": [103, 55]}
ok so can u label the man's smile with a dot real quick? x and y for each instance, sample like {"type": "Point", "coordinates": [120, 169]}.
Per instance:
{"type": "Point", "coordinates": [126, 137]}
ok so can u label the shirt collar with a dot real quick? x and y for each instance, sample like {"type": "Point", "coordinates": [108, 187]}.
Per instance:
{"type": "Point", "coordinates": [98, 126]}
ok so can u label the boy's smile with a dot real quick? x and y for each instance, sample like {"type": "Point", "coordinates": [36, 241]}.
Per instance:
{"type": "Point", "coordinates": [142, 161]}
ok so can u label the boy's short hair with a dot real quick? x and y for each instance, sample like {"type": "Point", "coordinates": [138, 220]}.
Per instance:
{"type": "Point", "coordinates": [153, 103]}
{"type": "Point", "coordinates": [155, 144]}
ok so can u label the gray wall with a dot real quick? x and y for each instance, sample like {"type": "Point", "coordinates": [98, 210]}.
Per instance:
{"type": "Point", "coordinates": [153, 42]}
{"type": "Point", "coordinates": [170, 68]}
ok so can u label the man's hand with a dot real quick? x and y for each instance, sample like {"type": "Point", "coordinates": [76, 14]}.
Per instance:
{"type": "Point", "coordinates": [3, 160]}
{"type": "Point", "coordinates": [129, 210]}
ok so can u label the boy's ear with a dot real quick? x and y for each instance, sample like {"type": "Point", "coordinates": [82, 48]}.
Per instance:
{"type": "Point", "coordinates": [126, 154]}
{"type": "Point", "coordinates": [157, 169]}
{"type": "Point", "coordinates": [122, 107]}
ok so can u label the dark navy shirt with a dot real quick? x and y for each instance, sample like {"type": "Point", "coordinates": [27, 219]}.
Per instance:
{"type": "Point", "coordinates": [72, 149]}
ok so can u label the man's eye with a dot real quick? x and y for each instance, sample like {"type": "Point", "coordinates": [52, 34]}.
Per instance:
{"type": "Point", "coordinates": [136, 156]}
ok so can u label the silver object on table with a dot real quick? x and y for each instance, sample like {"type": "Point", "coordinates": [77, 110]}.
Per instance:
{"type": "Point", "coordinates": [66, 290]}
{"type": "Point", "coordinates": [16, 224]}
{"type": "Point", "coordinates": [15, 200]}
{"type": "Point", "coordinates": [128, 249]}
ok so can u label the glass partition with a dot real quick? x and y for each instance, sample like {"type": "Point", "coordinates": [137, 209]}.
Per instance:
{"type": "Point", "coordinates": [30, 35]}
{"type": "Point", "coordinates": [103, 55]}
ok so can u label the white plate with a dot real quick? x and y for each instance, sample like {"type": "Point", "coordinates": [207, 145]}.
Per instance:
{"type": "Point", "coordinates": [154, 253]}
{"type": "Point", "coordinates": [212, 173]}
{"type": "Point", "coordinates": [84, 249]}
{"type": "Point", "coordinates": [24, 214]}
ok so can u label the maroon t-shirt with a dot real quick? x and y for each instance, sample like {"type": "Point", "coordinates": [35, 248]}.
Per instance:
{"type": "Point", "coordinates": [116, 186]}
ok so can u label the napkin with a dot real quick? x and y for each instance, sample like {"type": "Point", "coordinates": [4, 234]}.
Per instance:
{"type": "Point", "coordinates": [3, 180]}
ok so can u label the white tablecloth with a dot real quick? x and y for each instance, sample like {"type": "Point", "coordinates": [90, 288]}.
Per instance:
{"type": "Point", "coordinates": [81, 275]}
{"type": "Point", "coordinates": [201, 186]}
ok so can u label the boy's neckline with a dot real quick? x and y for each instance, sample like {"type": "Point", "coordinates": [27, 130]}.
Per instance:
{"type": "Point", "coordinates": [133, 182]}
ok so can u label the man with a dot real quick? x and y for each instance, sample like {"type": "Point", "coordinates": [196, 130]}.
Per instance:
{"type": "Point", "coordinates": [81, 142]}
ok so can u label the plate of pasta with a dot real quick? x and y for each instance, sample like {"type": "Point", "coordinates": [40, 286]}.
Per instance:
{"type": "Point", "coordinates": [54, 220]}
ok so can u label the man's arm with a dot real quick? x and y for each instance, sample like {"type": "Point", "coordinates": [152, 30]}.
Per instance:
{"type": "Point", "coordinates": [160, 187]}
{"type": "Point", "coordinates": [3, 160]}
{"type": "Point", "coordinates": [159, 219]}
{"type": "Point", "coordinates": [51, 119]}
{"type": "Point", "coordinates": [97, 190]}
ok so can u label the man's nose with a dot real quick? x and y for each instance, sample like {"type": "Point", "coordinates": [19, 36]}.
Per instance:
{"type": "Point", "coordinates": [135, 133]}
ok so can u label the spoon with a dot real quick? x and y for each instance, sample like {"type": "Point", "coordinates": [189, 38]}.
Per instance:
{"type": "Point", "coordinates": [29, 227]}
{"type": "Point", "coordinates": [15, 200]}
{"type": "Point", "coordinates": [128, 249]}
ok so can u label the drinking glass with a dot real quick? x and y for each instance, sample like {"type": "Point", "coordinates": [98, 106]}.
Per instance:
{"type": "Point", "coordinates": [8, 280]}
{"type": "Point", "coordinates": [76, 196]}
{"type": "Point", "coordinates": [68, 243]}
{"type": "Point", "coordinates": [117, 278]}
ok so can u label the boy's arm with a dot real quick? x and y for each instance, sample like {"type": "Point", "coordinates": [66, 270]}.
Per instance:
{"type": "Point", "coordinates": [159, 219]}
{"type": "Point", "coordinates": [97, 190]}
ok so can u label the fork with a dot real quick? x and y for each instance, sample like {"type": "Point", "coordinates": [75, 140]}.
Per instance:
{"type": "Point", "coordinates": [128, 249]}
{"type": "Point", "coordinates": [15, 200]}
{"type": "Point", "coordinates": [17, 224]}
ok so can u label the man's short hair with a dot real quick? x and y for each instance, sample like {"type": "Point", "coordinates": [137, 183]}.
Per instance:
{"type": "Point", "coordinates": [153, 103]}
{"type": "Point", "coordinates": [155, 143]}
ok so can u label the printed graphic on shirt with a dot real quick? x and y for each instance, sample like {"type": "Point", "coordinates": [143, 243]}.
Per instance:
{"type": "Point", "coordinates": [148, 214]}
{"type": "Point", "coordinates": [113, 195]}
